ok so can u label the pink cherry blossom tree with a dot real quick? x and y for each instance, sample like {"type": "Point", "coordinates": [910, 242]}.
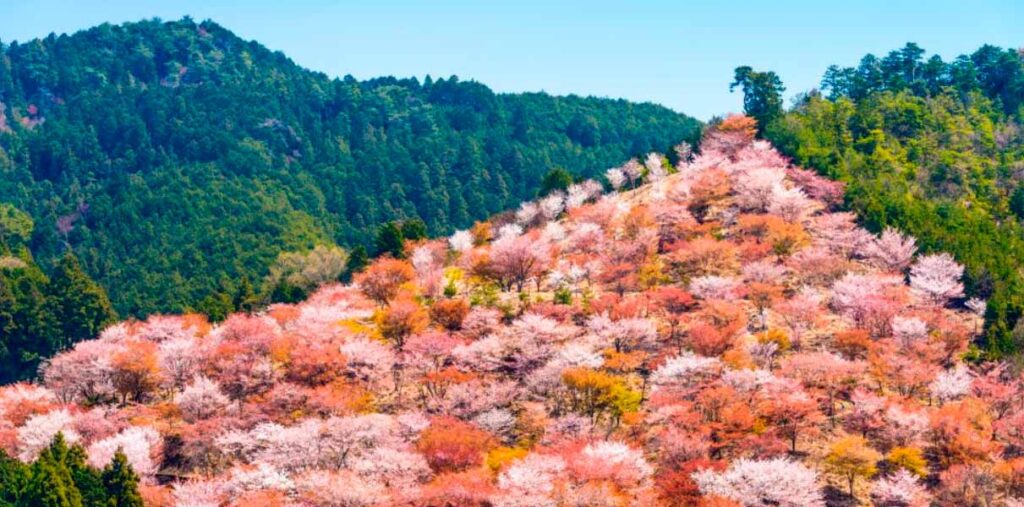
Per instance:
{"type": "Point", "coordinates": [937, 277]}
{"type": "Point", "coordinates": [755, 483]}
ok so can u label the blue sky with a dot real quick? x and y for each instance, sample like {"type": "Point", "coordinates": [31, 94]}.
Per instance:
{"type": "Point", "coordinates": [676, 53]}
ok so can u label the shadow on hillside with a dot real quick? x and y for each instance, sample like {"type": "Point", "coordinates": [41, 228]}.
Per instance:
{"type": "Point", "coordinates": [835, 497]}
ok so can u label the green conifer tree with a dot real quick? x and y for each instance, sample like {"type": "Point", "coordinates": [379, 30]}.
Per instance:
{"type": "Point", "coordinates": [121, 483]}
{"type": "Point", "coordinates": [80, 305]}
{"type": "Point", "coordinates": [390, 240]}
{"type": "Point", "coordinates": [50, 483]}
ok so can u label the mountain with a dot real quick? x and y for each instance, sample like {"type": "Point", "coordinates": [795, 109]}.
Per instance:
{"type": "Point", "coordinates": [933, 148]}
{"type": "Point", "coordinates": [718, 332]}
{"type": "Point", "coordinates": [177, 161]}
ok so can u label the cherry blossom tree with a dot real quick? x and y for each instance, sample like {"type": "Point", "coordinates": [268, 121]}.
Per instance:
{"type": "Point", "coordinates": [342, 488]}
{"type": "Point", "coordinates": [39, 430]}
{"type": "Point", "coordinates": [714, 287]}
{"type": "Point", "coordinates": [755, 483]}
{"type": "Point", "coordinates": [530, 482]}
{"type": "Point", "coordinates": [615, 177]}
{"type": "Point", "coordinates": [951, 384]}
{"type": "Point", "coordinates": [686, 369]}
{"type": "Point", "coordinates": [901, 489]}
{"type": "Point", "coordinates": [892, 250]}
{"type": "Point", "coordinates": [610, 461]}
{"type": "Point", "coordinates": [527, 213]}
{"type": "Point", "coordinates": [460, 241]}
{"type": "Point", "coordinates": [840, 234]}
{"type": "Point", "coordinates": [817, 187]}
{"type": "Point", "coordinates": [937, 277]}
{"type": "Point", "coordinates": [84, 373]}
{"type": "Point", "coordinates": [516, 260]}
{"type": "Point", "coordinates": [866, 300]}
{"type": "Point", "coordinates": [201, 399]}
{"type": "Point", "coordinates": [632, 171]}
{"type": "Point", "coordinates": [382, 279]}
{"type": "Point", "coordinates": [655, 167]}
{"type": "Point", "coordinates": [453, 445]}
{"type": "Point", "coordinates": [140, 444]}
{"type": "Point", "coordinates": [801, 313]}
{"type": "Point", "coordinates": [756, 188]}
{"type": "Point", "coordinates": [552, 205]}
{"type": "Point", "coordinates": [403, 316]}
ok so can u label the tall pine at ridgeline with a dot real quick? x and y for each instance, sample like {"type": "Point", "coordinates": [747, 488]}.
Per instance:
{"type": "Point", "coordinates": [177, 159]}
{"type": "Point", "coordinates": [934, 148]}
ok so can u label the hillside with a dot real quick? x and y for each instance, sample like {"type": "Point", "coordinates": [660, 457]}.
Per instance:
{"type": "Point", "coordinates": [177, 160]}
{"type": "Point", "coordinates": [933, 148]}
{"type": "Point", "coordinates": [719, 335]}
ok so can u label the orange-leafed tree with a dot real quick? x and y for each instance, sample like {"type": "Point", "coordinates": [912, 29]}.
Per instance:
{"type": "Point", "coordinates": [452, 445]}
{"type": "Point", "coordinates": [449, 313]}
{"type": "Point", "coordinates": [382, 280]}
{"type": "Point", "coordinates": [961, 432]}
{"type": "Point", "coordinates": [404, 316]}
{"type": "Point", "coordinates": [136, 371]}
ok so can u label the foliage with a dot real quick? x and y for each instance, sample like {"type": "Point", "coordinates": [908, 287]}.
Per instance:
{"type": "Point", "coordinates": [762, 94]}
{"type": "Point", "coordinates": [175, 157]}
{"type": "Point", "coordinates": [294, 275]}
{"type": "Point", "coordinates": [932, 148]}
{"type": "Point", "coordinates": [784, 373]}
{"type": "Point", "coordinates": [851, 457]}
{"type": "Point", "coordinates": [40, 315]}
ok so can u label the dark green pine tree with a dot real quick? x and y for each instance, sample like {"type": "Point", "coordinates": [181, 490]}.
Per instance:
{"type": "Point", "coordinates": [216, 306]}
{"type": "Point", "coordinates": [414, 229]}
{"type": "Point", "coordinates": [86, 478]}
{"type": "Point", "coordinates": [246, 299]}
{"type": "Point", "coordinates": [27, 325]}
{"type": "Point", "coordinates": [8, 320]}
{"type": "Point", "coordinates": [1017, 202]}
{"type": "Point", "coordinates": [285, 292]}
{"type": "Point", "coordinates": [762, 95]}
{"type": "Point", "coordinates": [50, 483]}
{"type": "Point", "coordinates": [357, 260]}
{"type": "Point", "coordinates": [555, 179]}
{"type": "Point", "coordinates": [390, 240]}
{"type": "Point", "coordinates": [80, 305]}
{"type": "Point", "coordinates": [13, 477]}
{"type": "Point", "coordinates": [121, 483]}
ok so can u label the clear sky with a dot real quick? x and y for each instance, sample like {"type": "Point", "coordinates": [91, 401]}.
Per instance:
{"type": "Point", "coordinates": [677, 53]}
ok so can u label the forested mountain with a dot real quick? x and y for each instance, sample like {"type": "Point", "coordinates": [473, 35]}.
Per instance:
{"type": "Point", "coordinates": [935, 148]}
{"type": "Point", "coordinates": [177, 160]}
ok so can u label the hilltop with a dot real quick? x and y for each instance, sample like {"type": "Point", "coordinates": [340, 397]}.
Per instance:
{"type": "Point", "coordinates": [712, 332]}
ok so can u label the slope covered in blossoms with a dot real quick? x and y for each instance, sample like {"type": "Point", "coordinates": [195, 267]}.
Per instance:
{"type": "Point", "coordinates": [711, 334]}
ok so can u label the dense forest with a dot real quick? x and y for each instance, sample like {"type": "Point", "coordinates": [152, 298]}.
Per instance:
{"type": "Point", "coordinates": [178, 161]}
{"type": "Point", "coordinates": [935, 148]}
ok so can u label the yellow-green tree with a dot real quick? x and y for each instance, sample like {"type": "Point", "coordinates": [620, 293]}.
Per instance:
{"type": "Point", "coordinates": [908, 458]}
{"type": "Point", "coordinates": [594, 393]}
{"type": "Point", "coordinates": [851, 457]}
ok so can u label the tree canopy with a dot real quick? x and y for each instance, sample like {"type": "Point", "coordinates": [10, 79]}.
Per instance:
{"type": "Point", "coordinates": [175, 157]}
{"type": "Point", "coordinates": [933, 148]}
